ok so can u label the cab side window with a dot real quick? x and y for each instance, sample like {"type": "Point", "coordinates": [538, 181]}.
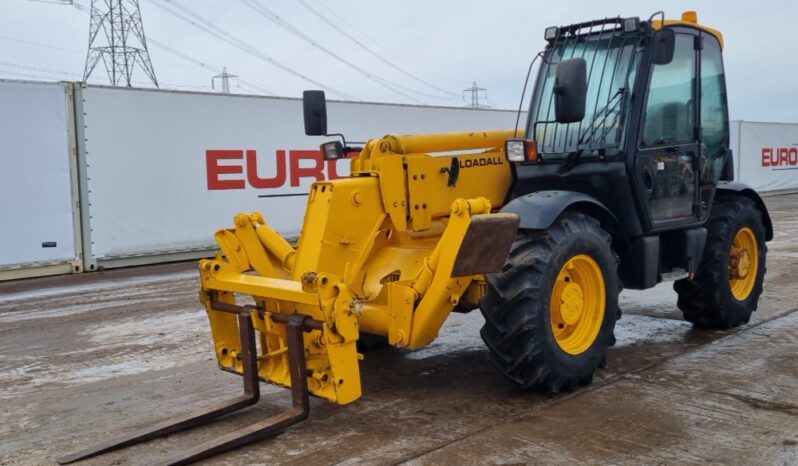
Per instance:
{"type": "Point", "coordinates": [714, 112]}
{"type": "Point", "coordinates": [669, 109]}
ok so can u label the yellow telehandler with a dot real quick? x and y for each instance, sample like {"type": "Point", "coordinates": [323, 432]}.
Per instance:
{"type": "Point", "coordinates": [622, 176]}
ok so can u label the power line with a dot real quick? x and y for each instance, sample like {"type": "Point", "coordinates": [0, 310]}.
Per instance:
{"type": "Point", "coordinates": [44, 70]}
{"type": "Point", "coordinates": [37, 68]}
{"type": "Point", "coordinates": [220, 34]}
{"type": "Point", "coordinates": [25, 75]}
{"type": "Point", "coordinates": [39, 44]}
{"type": "Point", "coordinates": [375, 54]}
{"type": "Point", "coordinates": [244, 83]}
{"type": "Point", "coordinates": [60, 2]}
{"type": "Point", "coordinates": [387, 50]}
{"type": "Point", "coordinates": [204, 65]}
{"type": "Point", "coordinates": [67, 74]}
{"type": "Point", "coordinates": [223, 35]}
{"type": "Point", "coordinates": [55, 47]}
{"type": "Point", "coordinates": [273, 17]}
{"type": "Point", "coordinates": [207, 27]}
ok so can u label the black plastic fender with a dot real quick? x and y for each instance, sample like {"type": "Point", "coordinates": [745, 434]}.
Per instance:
{"type": "Point", "coordinates": [540, 209]}
{"type": "Point", "coordinates": [737, 188]}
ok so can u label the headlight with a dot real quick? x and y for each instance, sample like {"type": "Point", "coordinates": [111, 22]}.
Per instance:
{"type": "Point", "coordinates": [515, 150]}
{"type": "Point", "coordinates": [332, 150]}
{"type": "Point", "coordinates": [521, 150]}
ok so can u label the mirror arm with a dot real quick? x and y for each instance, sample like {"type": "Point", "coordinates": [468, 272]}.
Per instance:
{"type": "Point", "coordinates": [347, 149]}
{"type": "Point", "coordinates": [343, 139]}
{"type": "Point", "coordinates": [661, 14]}
{"type": "Point", "coordinates": [523, 92]}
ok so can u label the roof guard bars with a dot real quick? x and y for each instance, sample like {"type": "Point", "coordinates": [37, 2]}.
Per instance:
{"type": "Point", "coordinates": [575, 28]}
{"type": "Point", "coordinates": [609, 64]}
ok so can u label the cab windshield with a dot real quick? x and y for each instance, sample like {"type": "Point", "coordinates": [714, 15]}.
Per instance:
{"type": "Point", "coordinates": [611, 59]}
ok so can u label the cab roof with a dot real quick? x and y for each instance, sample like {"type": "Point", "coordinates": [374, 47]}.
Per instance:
{"type": "Point", "coordinates": [689, 19]}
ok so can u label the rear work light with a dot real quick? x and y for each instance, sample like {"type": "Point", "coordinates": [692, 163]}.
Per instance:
{"type": "Point", "coordinates": [521, 150]}
{"type": "Point", "coordinates": [631, 24]}
{"type": "Point", "coordinates": [550, 33]}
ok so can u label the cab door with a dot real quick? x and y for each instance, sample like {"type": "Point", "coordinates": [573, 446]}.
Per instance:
{"type": "Point", "coordinates": [668, 147]}
{"type": "Point", "coordinates": [714, 121]}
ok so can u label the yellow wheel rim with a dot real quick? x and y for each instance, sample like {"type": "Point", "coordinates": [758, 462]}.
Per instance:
{"type": "Point", "coordinates": [743, 263]}
{"type": "Point", "coordinates": [577, 304]}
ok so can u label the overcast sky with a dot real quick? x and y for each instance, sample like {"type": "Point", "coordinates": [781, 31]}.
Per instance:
{"type": "Point", "coordinates": [440, 47]}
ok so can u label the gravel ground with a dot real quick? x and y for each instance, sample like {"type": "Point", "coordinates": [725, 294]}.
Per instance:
{"type": "Point", "coordinates": [87, 356]}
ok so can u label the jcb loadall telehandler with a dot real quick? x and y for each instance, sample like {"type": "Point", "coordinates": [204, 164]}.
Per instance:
{"type": "Point", "coordinates": [622, 177]}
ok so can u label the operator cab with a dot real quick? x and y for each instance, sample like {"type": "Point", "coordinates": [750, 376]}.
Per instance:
{"type": "Point", "coordinates": [627, 109]}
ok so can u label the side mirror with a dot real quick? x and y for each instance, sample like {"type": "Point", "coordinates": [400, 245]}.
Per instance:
{"type": "Point", "coordinates": [314, 108]}
{"type": "Point", "coordinates": [662, 46]}
{"type": "Point", "coordinates": [570, 91]}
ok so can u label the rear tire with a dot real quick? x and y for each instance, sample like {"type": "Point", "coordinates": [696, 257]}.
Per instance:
{"type": "Point", "coordinates": [518, 327]}
{"type": "Point", "coordinates": [709, 299]}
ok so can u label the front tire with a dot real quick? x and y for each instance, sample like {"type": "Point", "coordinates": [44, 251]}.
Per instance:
{"type": "Point", "coordinates": [550, 313]}
{"type": "Point", "coordinates": [726, 288]}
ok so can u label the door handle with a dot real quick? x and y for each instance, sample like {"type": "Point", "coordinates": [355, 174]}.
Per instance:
{"type": "Point", "coordinates": [648, 180]}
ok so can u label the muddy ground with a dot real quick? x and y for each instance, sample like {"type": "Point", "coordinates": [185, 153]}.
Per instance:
{"type": "Point", "coordinates": [85, 357]}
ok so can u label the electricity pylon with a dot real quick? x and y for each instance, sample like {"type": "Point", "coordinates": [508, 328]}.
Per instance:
{"type": "Point", "coordinates": [475, 94]}
{"type": "Point", "coordinates": [122, 45]}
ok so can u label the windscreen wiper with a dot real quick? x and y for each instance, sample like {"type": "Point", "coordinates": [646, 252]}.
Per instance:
{"type": "Point", "coordinates": [614, 102]}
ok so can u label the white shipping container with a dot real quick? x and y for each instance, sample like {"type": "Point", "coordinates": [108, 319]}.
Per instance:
{"type": "Point", "coordinates": [164, 170]}
{"type": "Point", "coordinates": [160, 171]}
{"type": "Point", "coordinates": [37, 190]}
{"type": "Point", "coordinates": [766, 155]}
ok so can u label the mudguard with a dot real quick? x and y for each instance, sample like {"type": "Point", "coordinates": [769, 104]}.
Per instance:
{"type": "Point", "coordinates": [738, 188]}
{"type": "Point", "coordinates": [540, 209]}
